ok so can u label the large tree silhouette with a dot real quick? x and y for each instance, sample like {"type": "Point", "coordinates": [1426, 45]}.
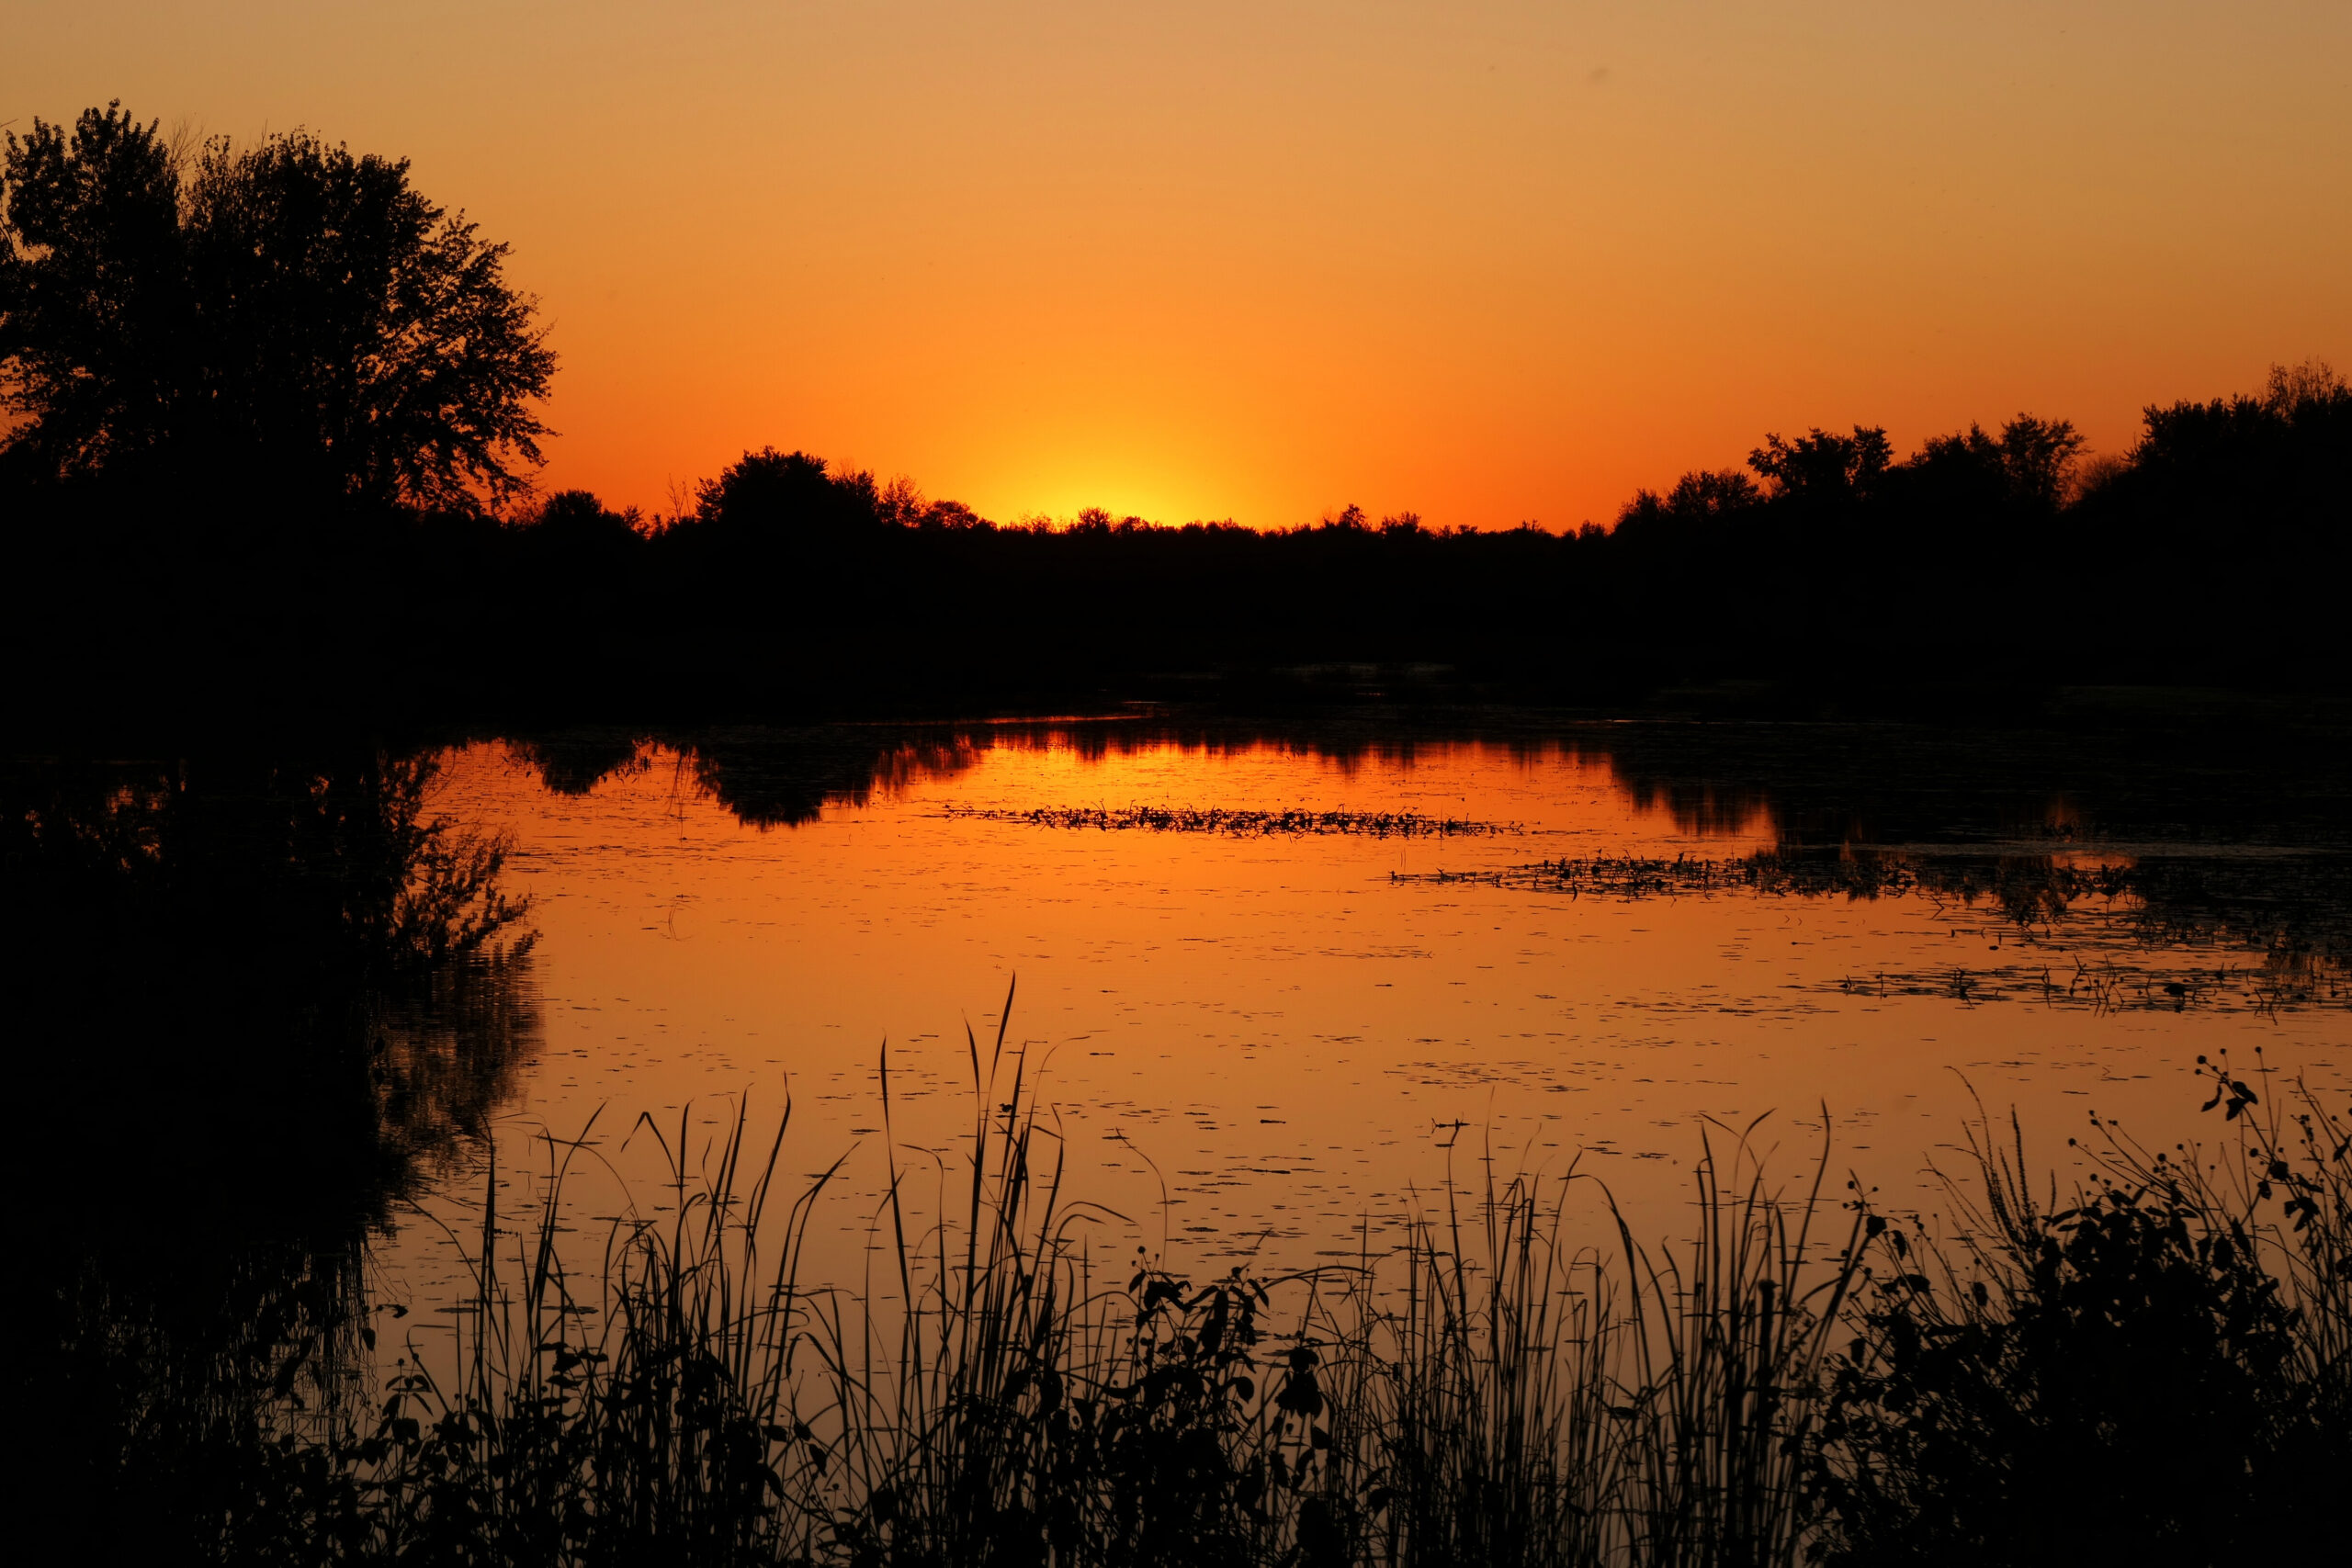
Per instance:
{"type": "Point", "coordinates": [289, 305]}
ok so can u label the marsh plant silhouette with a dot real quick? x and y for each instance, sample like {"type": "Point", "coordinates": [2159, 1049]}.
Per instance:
{"type": "Point", "coordinates": [274, 419]}
{"type": "Point", "coordinates": [2149, 1369]}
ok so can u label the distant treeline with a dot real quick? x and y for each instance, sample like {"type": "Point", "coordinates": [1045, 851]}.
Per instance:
{"type": "Point", "coordinates": [267, 430]}
{"type": "Point", "coordinates": [2215, 552]}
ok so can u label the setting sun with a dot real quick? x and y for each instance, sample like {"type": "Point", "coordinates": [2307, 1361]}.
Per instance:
{"type": "Point", "coordinates": [1487, 263]}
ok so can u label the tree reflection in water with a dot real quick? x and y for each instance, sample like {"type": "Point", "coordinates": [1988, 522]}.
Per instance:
{"type": "Point", "coordinates": [2205, 849]}
{"type": "Point", "coordinates": [253, 1003]}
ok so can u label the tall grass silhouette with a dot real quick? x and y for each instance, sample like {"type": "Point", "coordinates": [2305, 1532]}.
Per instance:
{"type": "Point", "coordinates": [2155, 1366]}
{"type": "Point", "coordinates": [1480, 1392]}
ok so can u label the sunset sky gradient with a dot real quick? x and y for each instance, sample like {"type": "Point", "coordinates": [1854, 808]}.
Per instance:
{"type": "Point", "coordinates": [1489, 261]}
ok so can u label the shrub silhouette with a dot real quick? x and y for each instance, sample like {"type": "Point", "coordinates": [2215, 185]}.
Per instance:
{"type": "Point", "coordinates": [2119, 1378]}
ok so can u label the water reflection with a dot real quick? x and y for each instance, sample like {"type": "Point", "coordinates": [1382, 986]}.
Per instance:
{"type": "Point", "coordinates": [255, 1001]}
{"type": "Point", "coordinates": [775, 777]}
{"type": "Point", "coordinates": [2264, 931]}
{"type": "Point", "coordinates": [260, 961]}
{"type": "Point", "coordinates": [2230, 845]}
{"type": "Point", "coordinates": [1818, 785]}
{"type": "Point", "coordinates": [1230, 964]}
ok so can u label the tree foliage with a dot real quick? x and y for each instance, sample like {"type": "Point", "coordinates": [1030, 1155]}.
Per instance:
{"type": "Point", "coordinates": [94, 290]}
{"type": "Point", "coordinates": [291, 305]}
{"type": "Point", "coordinates": [1822, 465]}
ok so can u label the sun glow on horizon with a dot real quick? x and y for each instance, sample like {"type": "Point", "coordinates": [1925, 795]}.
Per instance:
{"type": "Point", "coordinates": [1491, 264]}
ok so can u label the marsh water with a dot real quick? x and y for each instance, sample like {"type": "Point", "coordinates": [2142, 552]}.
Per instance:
{"type": "Point", "coordinates": [1277, 987]}
{"type": "Point", "coordinates": [1275, 984]}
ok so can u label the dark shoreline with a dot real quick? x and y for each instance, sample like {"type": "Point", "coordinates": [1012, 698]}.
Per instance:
{"type": "Point", "coordinates": [1952, 584]}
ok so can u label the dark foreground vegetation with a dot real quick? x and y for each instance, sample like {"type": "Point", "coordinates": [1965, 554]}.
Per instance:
{"type": "Point", "coordinates": [274, 431]}
{"type": "Point", "coordinates": [2151, 1370]}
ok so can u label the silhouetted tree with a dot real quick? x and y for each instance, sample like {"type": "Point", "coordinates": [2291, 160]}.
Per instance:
{"type": "Point", "coordinates": [786, 498]}
{"type": "Point", "coordinates": [354, 324]}
{"type": "Point", "coordinates": [2297, 426]}
{"type": "Point", "coordinates": [2291, 388]}
{"type": "Point", "coordinates": [577, 520]}
{"type": "Point", "coordinates": [94, 291]}
{"type": "Point", "coordinates": [2027, 465]}
{"type": "Point", "coordinates": [2038, 456]}
{"type": "Point", "coordinates": [1702, 495]}
{"type": "Point", "coordinates": [289, 304]}
{"type": "Point", "coordinates": [1820, 466]}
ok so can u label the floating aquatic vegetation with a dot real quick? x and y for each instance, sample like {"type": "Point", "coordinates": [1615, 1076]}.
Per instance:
{"type": "Point", "coordinates": [2250, 930]}
{"type": "Point", "coordinates": [2107, 984]}
{"type": "Point", "coordinates": [1636, 876]}
{"type": "Point", "coordinates": [1240, 823]}
{"type": "Point", "coordinates": [2025, 890]}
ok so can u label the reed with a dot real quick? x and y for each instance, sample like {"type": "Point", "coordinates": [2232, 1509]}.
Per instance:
{"type": "Point", "coordinates": [1478, 1393]}
{"type": "Point", "coordinates": [1729, 1341]}
{"type": "Point", "coordinates": [647, 1418]}
{"type": "Point", "coordinates": [2157, 1365]}
{"type": "Point", "coordinates": [1493, 1403]}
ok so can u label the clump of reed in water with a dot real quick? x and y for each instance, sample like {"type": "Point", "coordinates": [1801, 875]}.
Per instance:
{"type": "Point", "coordinates": [1480, 1392]}
{"type": "Point", "coordinates": [1240, 823]}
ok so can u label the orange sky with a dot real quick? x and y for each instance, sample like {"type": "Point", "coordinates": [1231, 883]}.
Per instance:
{"type": "Point", "coordinates": [1489, 260]}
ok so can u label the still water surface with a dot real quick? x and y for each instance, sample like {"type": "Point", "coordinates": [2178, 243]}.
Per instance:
{"type": "Point", "coordinates": [1257, 1039]}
